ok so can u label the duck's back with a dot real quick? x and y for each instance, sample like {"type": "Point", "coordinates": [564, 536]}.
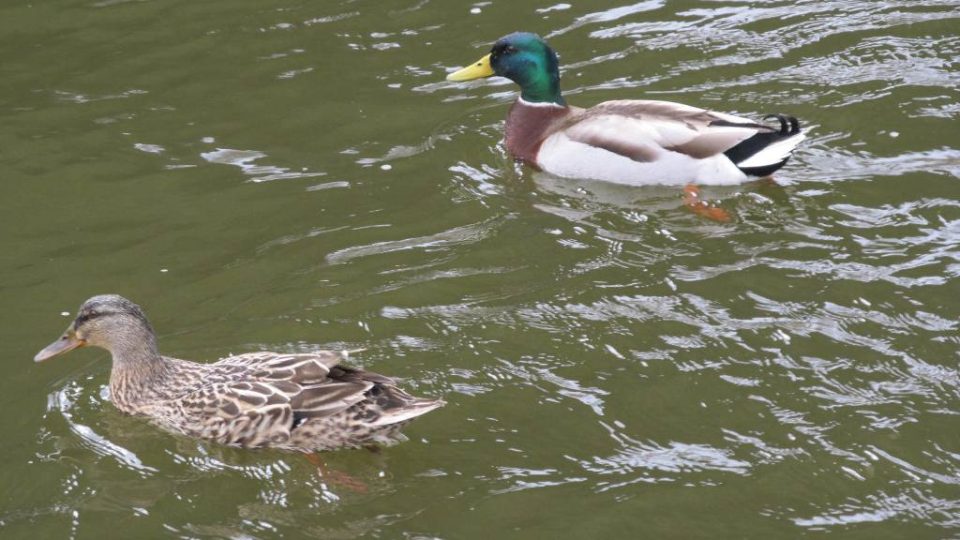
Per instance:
{"type": "Point", "coordinates": [297, 401]}
{"type": "Point", "coordinates": [646, 142]}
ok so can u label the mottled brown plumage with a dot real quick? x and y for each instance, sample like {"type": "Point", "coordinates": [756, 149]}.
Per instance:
{"type": "Point", "coordinates": [306, 402]}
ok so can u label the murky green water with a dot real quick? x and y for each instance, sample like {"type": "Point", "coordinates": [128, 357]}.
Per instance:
{"type": "Point", "coordinates": [298, 175]}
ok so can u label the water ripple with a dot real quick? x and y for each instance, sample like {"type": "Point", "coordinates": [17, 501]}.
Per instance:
{"type": "Point", "coordinates": [63, 401]}
{"type": "Point", "coordinates": [466, 234]}
{"type": "Point", "coordinates": [650, 462]}
{"type": "Point", "coordinates": [244, 159]}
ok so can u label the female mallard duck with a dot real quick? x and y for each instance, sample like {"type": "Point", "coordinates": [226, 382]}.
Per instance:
{"type": "Point", "coordinates": [305, 402]}
{"type": "Point", "coordinates": [628, 141]}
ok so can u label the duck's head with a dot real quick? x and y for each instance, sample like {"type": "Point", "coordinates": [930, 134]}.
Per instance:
{"type": "Point", "coordinates": [107, 321]}
{"type": "Point", "coordinates": [525, 59]}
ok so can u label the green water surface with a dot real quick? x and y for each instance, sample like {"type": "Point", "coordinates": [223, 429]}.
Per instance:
{"type": "Point", "coordinates": [289, 175]}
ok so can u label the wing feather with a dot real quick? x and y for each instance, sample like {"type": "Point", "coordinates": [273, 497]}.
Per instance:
{"type": "Point", "coordinates": [645, 130]}
{"type": "Point", "coordinates": [329, 398]}
{"type": "Point", "coordinates": [262, 399]}
{"type": "Point", "coordinates": [277, 392]}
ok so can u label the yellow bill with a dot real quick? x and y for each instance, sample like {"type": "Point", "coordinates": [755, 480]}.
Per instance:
{"type": "Point", "coordinates": [480, 68]}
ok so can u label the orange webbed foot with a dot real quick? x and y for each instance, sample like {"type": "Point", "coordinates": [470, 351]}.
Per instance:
{"type": "Point", "coordinates": [337, 478]}
{"type": "Point", "coordinates": [692, 200]}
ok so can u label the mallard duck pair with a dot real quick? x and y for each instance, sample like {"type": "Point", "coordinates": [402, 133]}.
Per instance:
{"type": "Point", "coordinates": [629, 141]}
{"type": "Point", "coordinates": [305, 402]}
{"type": "Point", "coordinates": [311, 402]}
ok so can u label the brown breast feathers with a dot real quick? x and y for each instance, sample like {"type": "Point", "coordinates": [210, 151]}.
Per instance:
{"type": "Point", "coordinates": [528, 125]}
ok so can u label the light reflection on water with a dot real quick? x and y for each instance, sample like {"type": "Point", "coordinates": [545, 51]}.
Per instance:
{"type": "Point", "coordinates": [261, 173]}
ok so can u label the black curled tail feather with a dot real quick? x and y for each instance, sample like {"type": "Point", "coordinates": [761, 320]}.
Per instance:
{"type": "Point", "coordinates": [789, 126]}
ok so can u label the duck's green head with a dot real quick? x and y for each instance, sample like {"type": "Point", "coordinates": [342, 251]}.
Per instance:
{"type": "Point", "coordinates": [525, 59]}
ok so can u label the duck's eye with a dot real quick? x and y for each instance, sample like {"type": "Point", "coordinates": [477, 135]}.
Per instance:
{"type": "Point", "coordinates": [511, 49]}
{"type": "Point", "coordinates": [84, 317]}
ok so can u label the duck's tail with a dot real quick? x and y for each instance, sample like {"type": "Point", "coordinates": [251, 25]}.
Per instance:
{"type": "Point", "coordinates": [384, 404]}
{"type": "Point", "coordinates": [769, 149]}
{"type": "Point", "coordinates": [412, 407]}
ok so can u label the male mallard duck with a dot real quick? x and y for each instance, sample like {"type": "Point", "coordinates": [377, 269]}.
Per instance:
{"type": "Point", "coordinates": [627, 141]}
{"type": "Point", "coordinates": [305, 402]}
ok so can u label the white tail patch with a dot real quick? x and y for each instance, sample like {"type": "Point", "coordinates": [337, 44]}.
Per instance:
{"type": "Point", "coordinates": [773, 154]}
{"type": "Point", "coordinates": [412, 411]}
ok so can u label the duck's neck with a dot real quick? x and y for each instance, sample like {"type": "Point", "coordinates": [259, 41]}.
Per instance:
{"type": "Point", "coordinates": [539, 82]}
{"type": "Point", "coordinates": [543, 91]}
{"type": "Point", "coordinates": [528, 124]}
{"type": "Point", "coordinates": [137, 370]}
